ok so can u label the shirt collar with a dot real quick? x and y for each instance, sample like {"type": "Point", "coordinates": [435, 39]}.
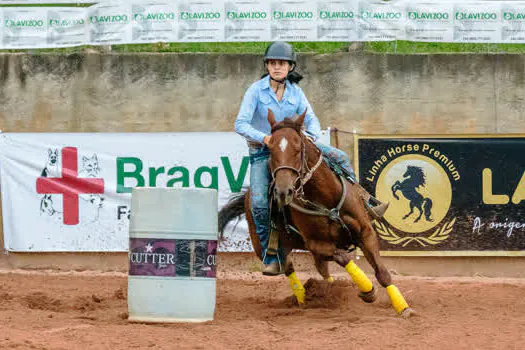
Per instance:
{"type": "Point", "coordinates": [287, 91]}
{"type": "Point", "coordinates": [267, 83]}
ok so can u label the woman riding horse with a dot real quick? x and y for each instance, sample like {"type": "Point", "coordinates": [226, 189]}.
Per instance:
{"type": "Point", "coordinates": [278, 90]}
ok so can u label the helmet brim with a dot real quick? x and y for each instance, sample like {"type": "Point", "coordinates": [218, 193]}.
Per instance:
{"type": "Point", "coordinates": [283, 58]}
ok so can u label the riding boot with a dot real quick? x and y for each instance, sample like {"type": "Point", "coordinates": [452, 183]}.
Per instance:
{"type": "Point", "coordinates": [273, 263]}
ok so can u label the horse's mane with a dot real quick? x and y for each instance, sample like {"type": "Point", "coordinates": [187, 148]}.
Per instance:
{"type": "Point", "coordinates": [287, 123]}
{"type": "Point", "coordinates": [416, 174]}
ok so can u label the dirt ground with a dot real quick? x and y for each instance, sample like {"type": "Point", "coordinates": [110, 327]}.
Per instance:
{"type": "Point", "coordinates": [83, 310]}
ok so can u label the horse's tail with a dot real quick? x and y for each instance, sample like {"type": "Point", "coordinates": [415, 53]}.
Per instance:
{"type": "Point", "coordinates": [233, 209]}
{"type": "Point", "coordinates": [427, 207]}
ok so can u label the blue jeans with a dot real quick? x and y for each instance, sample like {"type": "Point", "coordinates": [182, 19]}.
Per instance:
{"type": "Point", "coordinates": [259, 182]}
{"type": "Point", "coordinates": [260, 179]}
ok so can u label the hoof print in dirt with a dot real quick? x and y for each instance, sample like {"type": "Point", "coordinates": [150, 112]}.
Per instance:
{"type": "Point", "coordinates": [408, 312]}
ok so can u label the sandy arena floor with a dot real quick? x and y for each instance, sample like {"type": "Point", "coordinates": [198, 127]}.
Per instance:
{"type": "Point", "coordinates": [47, 310]}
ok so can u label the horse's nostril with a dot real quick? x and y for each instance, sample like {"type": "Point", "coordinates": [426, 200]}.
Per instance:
{"type": "Point", "coordinates": [290, 192]}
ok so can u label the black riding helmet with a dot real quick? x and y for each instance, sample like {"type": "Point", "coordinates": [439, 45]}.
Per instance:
{"type": "Point", "coordinates": [280, 50]}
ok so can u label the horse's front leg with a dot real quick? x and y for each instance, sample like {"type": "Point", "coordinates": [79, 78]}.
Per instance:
{"type": "Point", "coordinates": [394, 189]}
{"type": "Point", "coordinates": [367, 290]}
{"type": "Point", "coordinates": [370, 247]}
{"type": "Point", "coordinates": [297, 287]}
{"type": "Point", "coordinates": [321, 264]}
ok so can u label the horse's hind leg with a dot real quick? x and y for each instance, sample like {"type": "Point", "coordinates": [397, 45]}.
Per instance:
{"type": "Point", "coordinates": [370, 248]}
{"type": "Point", "coordinates": [321, 264]}
{"type": "Point", "coordinates": [295, 282]}
{"type": "Point", "coordinates": [367, 290]}
{"type": "Point", "coordinates": [410, 212]}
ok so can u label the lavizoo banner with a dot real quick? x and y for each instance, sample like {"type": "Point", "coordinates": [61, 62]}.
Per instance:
{"type": "Point", "coordinates": [152, 21]}
{"type": "Point", "coordinates": [448, 195]}
{"type": "Point", "coordinates": [88, 209]}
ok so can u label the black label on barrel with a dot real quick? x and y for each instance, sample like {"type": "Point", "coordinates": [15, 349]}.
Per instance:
{"type": "Point", "coordinates": [172, 257]}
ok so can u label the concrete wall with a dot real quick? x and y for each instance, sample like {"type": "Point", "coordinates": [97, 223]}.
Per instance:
{"type": "Point", "coordinates": [380, 94]}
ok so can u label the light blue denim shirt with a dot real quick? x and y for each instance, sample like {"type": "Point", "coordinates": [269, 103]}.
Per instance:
{"type": "Point", "coordinates": [252, 120]}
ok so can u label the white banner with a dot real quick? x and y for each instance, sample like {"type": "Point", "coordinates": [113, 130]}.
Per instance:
{"type": "Point", "coordinates": [431, 22]}
{"type": "Point", "coordinates": [109, 24]}
{"type": "Point", "coordinates": [247, 20]}
{"type": "Point", "coordinates": [201, 20]}
{"type": "Point", "coordinates": [338, 21]}
{"type": "Point", "coordinates": [72, 191]}
{"type": "Point", "coordinates": [381, 21]}
{"type": "Point", "coordinates": [294, 20]}
{"type": "Point", "coordinates": [24, 27]}
{"type": "Point", "coordinates": [477, 23]}
{"type": "Point", "coordinates": [153, 21]}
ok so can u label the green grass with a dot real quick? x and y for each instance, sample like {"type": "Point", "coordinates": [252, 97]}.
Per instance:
{"type": "Point", "coordinates": [246, 48]}
{"type": "Point", "coordinates": [395, 47]}
{"type": "Point", "coordinates": [409, 47]}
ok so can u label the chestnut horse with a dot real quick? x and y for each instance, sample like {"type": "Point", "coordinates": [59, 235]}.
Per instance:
{"type": "Point", "coordinates": [317, 210]}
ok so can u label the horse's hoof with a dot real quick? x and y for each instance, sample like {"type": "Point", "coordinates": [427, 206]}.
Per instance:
{"type": "Point", "coordinates": [369, 297]}
{"type": "Point", "coordinates": [406, 313]}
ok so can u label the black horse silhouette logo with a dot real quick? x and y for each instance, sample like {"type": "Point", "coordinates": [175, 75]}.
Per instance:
{"type": "Point", "coordinates": [413, 178]}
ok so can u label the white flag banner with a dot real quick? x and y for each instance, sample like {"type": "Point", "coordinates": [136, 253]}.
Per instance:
{"type": "Point", "coordinates": [337, 20]}
{"type": "Point", "coordinates": [153, 22]}
{"type": "Point", "coordinates": [66, 26]}
{"type": "Point", "coordinates": [513, 22]}
{"type": "Point", "coordinates": [72, 191]}
{"type": "Point", "coordinates": [477, 22]}
{"type": "Point", "coordinates": [381, 21]}
{"type": "Point", "coordinates": [109, 24]}
{"type": "Point", "coordinates": [294, 20]}
{"type": "Point", "coordinates": [247, 20]}
{"type": "Point", "coordinates": [24, 27]}
{"type": "Point", "coordinates": [430, 21]}
{"type": "Point", "coordinates": [201, 20]}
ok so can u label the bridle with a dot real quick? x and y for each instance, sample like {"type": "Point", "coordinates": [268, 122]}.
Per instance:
{"type": "Point", "coordinates": [304, 173]}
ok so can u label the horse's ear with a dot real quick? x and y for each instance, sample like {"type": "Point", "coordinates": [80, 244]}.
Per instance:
{"type": "Point", "coordinates": [271, 117]}
{"type": "Point", "coordinates": [300, 119]}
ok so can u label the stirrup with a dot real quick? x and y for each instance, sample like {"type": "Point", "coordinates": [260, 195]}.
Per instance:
{"type": "Point", "coordinates": [273, 269]}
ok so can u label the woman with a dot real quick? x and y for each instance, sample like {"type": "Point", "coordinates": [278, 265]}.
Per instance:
{"type": "Point", "coordinates": [278, 91]}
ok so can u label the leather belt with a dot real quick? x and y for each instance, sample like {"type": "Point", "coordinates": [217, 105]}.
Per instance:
{"type": "Point", "coordinates": [253, 144]}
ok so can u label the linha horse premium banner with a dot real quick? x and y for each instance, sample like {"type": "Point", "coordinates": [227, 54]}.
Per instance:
{"type": "Point", "coordinates": [448, 196]}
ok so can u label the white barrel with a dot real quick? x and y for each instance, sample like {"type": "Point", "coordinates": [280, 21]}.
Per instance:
{"type": "Point", "coordinates": [172, 250]}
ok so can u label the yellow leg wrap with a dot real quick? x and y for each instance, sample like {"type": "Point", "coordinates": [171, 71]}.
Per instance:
{"type": "Point", "coordinates": [398, 302]}
{"type": "Point", "coordinates": [358, 276]}
{"type": "Point", "coordinates": [297, 287]}
{"type": "Point", "coordinates": [330, 279]}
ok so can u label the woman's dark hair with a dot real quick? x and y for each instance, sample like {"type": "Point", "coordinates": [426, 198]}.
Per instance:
{"type": "Point", "coordinates": [293, 77]}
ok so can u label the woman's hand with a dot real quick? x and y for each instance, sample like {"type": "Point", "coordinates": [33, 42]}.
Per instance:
{"type": "Point", "coordinates": [267, 140]}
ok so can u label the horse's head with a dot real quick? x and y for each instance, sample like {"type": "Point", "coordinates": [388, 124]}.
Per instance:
{"type": "Point", "coordinates": [416, 175]}
{"type": "Point", "coordinates": [286, 156]}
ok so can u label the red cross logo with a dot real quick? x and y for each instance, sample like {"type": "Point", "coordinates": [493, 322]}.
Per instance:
{"type": "Point", "coordinates": [70, 186]}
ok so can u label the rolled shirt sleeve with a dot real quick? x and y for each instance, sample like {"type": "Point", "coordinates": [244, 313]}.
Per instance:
{"type": "Point", "coordinates": [311, 123]}
{"type": "Point", "coordinates": [246, 112]}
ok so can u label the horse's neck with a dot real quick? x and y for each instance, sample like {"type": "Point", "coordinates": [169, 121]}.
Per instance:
{"type": "Point", "coordinates": [323, 187]}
